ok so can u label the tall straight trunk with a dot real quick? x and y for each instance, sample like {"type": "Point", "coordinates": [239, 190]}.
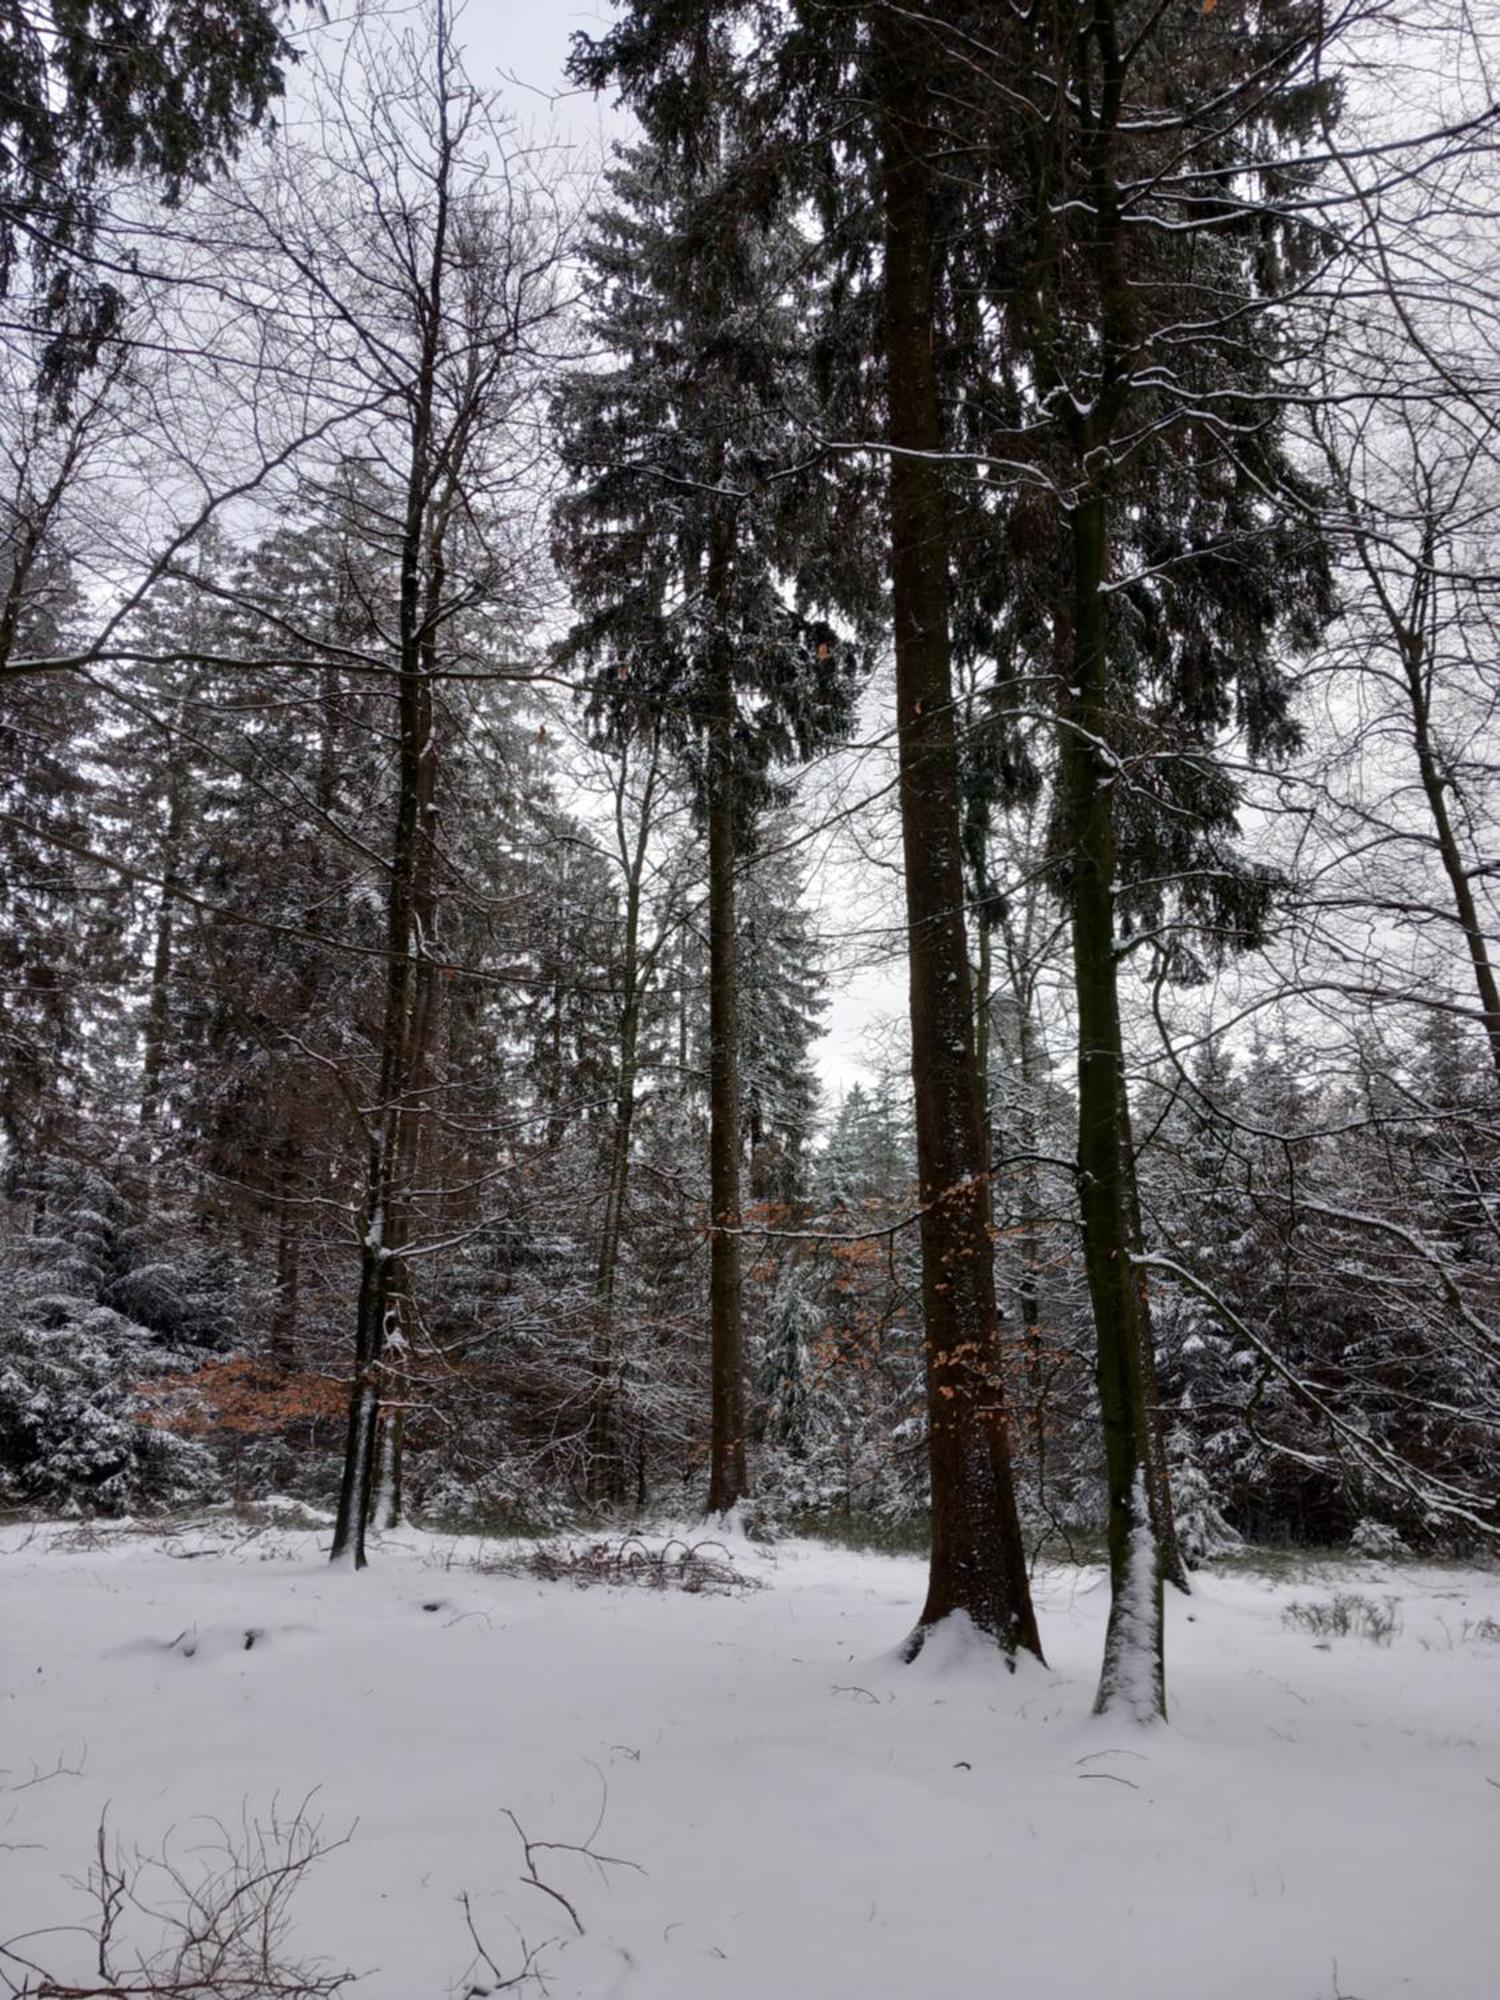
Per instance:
{"type": "Point", "coordinates": [411, 992]}
{"type": "Point", "coordinates": [1133, 1674]}
{"type": "Point", "coordinates": [983, 996]}
{"type": "Point", "coordinates": [164, 941]}
{"type": "Point", "coordinates": [1028, 1285]}
{"type": "Point", "coordinates": [978, 1562]}
{"type": "Point", "coordinates": [283, 1332]}
{"type": "Point", "coordinates": [606, 1467]}
{"type": "Point", "coordinates": [1173, 1568]}
{"type": "Point", "coordinates": [606, 1459]}
{"type": "Point", "coordinates": [393, 1139]}
{"type": "Point", "coordinates": [557, 1119]}
{"type": "Point", "coordinates": [728, 1480]}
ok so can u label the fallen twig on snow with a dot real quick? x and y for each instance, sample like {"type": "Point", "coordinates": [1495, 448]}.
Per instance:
{"type": "Point", "coordinates": [704, 1568]}
{"type": "Point", "coordinates": [222, 1932]}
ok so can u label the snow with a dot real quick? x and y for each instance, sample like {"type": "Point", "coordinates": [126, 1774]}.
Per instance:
{"type": "Point", "coordinates": [1131, 1683]}
{"type": "Point", "coordinates": [811, 1818]}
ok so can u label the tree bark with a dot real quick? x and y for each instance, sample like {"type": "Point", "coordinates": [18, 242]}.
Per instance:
{"type": "Point", "coordinates": [1133, 1671]}
{"type": "Point", "coordinates": [1434, 790]}
{"type": "Point", "coordinates": [156, 1035]}
{"type": "Point", "coordinates": [1028, 1283]}
{"type": "Point", "coordinates": [1173, 1568]}
{"type": "Point", "coordinates": [978, 1564]}
{"type": "Point", "coordinates": [606, 1457]}
{"type": "Point", "coordinates": [283, 1331]}
{"type": "Point", "coordinates": [728, 1479]}
{"type": "Point", "coordinates": [411, 906]}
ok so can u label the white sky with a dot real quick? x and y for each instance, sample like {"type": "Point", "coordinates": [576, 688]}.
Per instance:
{"type": "Point", "coordinates": [520, 47]}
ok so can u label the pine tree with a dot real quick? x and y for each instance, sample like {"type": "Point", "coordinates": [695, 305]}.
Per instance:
{"type": "Point", "coordinates": [1188, 568]}
{"type": "Point", "coordinates": [691, 542]}
{"type": "Point", "coordinates": [783, 1014]}
{"type": "Point", "coordinates": [161, 93]}
{"type": "Point", "coordinates": [61, 930]}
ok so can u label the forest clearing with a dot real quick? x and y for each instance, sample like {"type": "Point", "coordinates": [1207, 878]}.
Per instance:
{"type": "Point", "coordinates": [749, 999]}
{"type": "Point", "coordinates": [787, 1809]}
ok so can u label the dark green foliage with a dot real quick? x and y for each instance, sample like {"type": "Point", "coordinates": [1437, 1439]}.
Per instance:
{"type": "Point", "coordinates": [1140, 280]}
{"type": "Point", "coordinates": [1338, 1224]}
{"type": "Point", "coordinates": [61, 920]}
{"type": "Point", "coordinates": [95, 1309]}
{"type": "Point", "coordinates": [781, 1017]}
{"type": "Point", "coordinates": [96, 92]}
{"type": "Point", "coordinates": [702, 422]}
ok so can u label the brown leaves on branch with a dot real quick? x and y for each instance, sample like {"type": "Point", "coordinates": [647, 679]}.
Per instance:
{"type": "Point", "coordinates": [240, 1397]}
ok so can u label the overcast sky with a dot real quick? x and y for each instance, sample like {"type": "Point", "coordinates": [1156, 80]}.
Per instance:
{"type": "Point", "coordinates": [520, 47]}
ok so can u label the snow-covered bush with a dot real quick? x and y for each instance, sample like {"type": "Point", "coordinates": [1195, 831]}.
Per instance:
{"type": "Point", "coordinates": [74, 1431]}
{"type": "Point", "coordinates": [191, 1299]}
{"type": "Point", "coordinates": [77, 1427]}
{"type": "Point", "coordinates": [506, 1496]}
{"type": "Point", "coordinates": [1202, 1531]}
{"type": "Point", "coordinates": [841, 1442]}
{"type": "Point", "coordinates": [1377, 1539]}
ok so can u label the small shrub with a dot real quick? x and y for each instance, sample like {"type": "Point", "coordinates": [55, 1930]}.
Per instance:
{"type": "Point", "coordinates": [1347, 1615]}
{"type": "Point", "coordinates": [1203, 1534]}
{"type": "Point", "coordinates": [1377, 1539]}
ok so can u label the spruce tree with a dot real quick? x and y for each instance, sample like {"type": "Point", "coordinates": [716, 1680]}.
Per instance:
{"type": "Point", "coordinates": [156, 92]}
{"type": "Point", "coordinates": [1153, 412]}
{"type": "Point", "coordinates": [783, 1013]}
{"type": "Point", "coordinates": [693, 542]}
{"type": "Point", "coordinates": [855, 113]}
{"type": "Point", "coordinates": [62, 947]}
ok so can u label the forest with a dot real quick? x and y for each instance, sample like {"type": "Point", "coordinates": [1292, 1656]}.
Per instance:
{"type": "Point", "coordinates": [782, 831]}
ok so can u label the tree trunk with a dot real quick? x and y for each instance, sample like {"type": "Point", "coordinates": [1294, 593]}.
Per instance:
{"type": "Point", "coordinates": [606, 1466]}
{"type": "Point", "coordinates": [156, 1036]}
{"type": "Point", "coordinates": [1435, 789]}
{"type": "Point", "coordinates": [410, 1007]}
{"type": "Point", "coordinates": [728, 1480]}
{"type": "Point", "coordinates": [983, 995]}
{"type": "Point", "coordinates": [1133, 1674]}
{"type": "Point", "coordinates": [978, 1563]}
{"type": "Point", "coordinates": [283, 1332]}
{"type": "Point", "coordinates": [606, 1456]}
{"type": "Point", "coordinates": [1028, 1285]}
{"type": "Point", "coordinates": [1174, 1570]}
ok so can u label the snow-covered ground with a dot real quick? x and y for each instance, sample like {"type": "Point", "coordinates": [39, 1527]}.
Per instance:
{"type": "Point", "coordinates": [809, 1819]}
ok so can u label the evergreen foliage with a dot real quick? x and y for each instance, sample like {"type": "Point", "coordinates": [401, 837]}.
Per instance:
{"type": "Point", "coordinates": [162, 94]}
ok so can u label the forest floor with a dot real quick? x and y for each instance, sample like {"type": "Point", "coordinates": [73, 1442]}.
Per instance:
{"type": "Point", "coordinates": [805, 1818]}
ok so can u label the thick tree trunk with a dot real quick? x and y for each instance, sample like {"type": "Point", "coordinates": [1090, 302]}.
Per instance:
{"type": "Point", "coordinates": [1133, 1673]}
{"type": "Point", "coordinates": [728, 1480]}
{"type": "Point", "coordinates": [1028, 1284]}
{"type": "Point", "coordinates": [1174, 1570]}
{"type": "Point", "coordinates": [978, 1563]}
{"type": "Point", "coordinates": [407, 1024]}
{"type": "Point", "coordinates": [983, 995]}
